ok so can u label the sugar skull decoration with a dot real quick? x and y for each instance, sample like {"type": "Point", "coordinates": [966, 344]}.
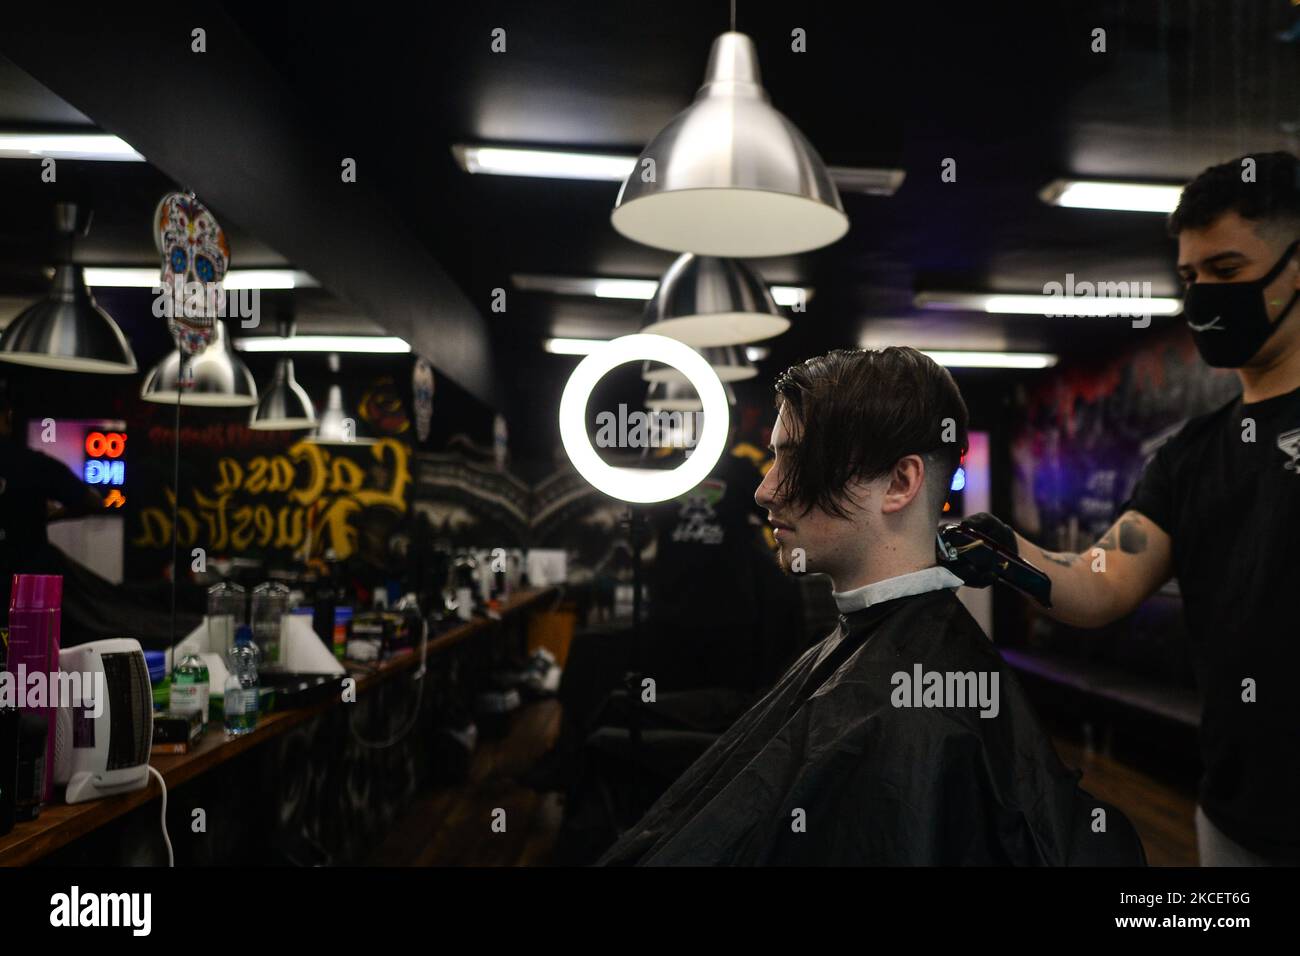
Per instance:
{"type": "Point", "coordinates": [195, 257]}
{"type": "Point", "coordinates": [422, 390]}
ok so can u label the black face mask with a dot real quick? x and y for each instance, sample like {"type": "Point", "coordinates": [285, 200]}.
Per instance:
{"type": "Point", "coordinates": [1229, 320]}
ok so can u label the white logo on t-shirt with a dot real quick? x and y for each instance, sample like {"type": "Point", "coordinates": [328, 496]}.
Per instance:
{"type": "Point", "coordinates": [1289, 443]}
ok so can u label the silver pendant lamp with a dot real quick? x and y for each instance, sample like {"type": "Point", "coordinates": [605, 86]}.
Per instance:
{"type": "Point", "coordinates": [679, 397]}
{"type": "Point", "coordinates": [284, 404]}
{"type": "Point", "coordinates": [730, 175]}
{"type": "Point", "coordinates": [708, 301]}
{"type": "Point", "coordinates": [67, 330]}
{"type": "Point", "coordinates": [337, 423]}
{"type": "Point", "coordinates": [216, 377]}
{"type": "Point", "coordinates": [728, 361]}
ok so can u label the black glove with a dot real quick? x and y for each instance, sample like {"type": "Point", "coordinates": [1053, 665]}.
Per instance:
{"type": "Point", "coordinates": [980, 577]}
{"type": "Point", "coordinates": [995, 529]}
{"type": "Point", "coordinates": [982, 550]}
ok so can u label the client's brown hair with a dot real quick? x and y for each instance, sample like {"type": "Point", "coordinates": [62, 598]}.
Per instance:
{"type": "Point", "coordinates": [857, 412]}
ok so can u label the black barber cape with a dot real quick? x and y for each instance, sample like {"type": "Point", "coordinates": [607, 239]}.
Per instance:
{"type": "Point", "coordinates": [880, 784]}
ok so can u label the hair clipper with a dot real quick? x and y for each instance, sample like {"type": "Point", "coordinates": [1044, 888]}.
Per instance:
{"type": "Point", "coordinates": [987, 560]}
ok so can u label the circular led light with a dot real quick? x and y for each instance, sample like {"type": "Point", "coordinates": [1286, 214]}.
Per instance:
{"type": "Point", "coordinates": [637, 484]}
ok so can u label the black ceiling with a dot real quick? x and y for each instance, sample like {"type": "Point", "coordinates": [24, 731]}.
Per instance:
{"type": "Point", "coordinates": [1012, 92]}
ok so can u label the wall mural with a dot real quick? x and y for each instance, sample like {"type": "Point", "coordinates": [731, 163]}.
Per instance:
{"type": "Point", "coordinates": [1087, 432]}
{"type": "Point", "coordinates": [299, 503]}
{"type": "Point", "coordinates": [267, 495]}
{"type": "Point", "coordinates": [470, 501]}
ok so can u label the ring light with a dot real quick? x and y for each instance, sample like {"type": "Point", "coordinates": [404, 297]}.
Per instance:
{"type": "Point", "coordinates": [637, 484]}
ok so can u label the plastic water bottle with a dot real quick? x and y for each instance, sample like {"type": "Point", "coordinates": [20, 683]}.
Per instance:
{"type": "Point", "coordinates": [189, 688]}
{"type": "Point", "coordinates": [242, 684]}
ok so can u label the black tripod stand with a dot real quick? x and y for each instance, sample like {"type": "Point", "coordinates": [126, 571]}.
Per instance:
{"type": "Point", "coordinates": [638, 537]}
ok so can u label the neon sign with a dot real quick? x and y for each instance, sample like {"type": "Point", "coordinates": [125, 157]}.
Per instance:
{"type": "Point", "coordinates": [99, 472]}
{"type": "Point", "coordinates": [105, 445]}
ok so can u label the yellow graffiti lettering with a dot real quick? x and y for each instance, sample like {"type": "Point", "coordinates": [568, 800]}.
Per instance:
{"type": "Point", "coordinates": [155, 529]}
{"type": "Point", "coordinates": [229, 476]}
{"type": "Point", "coordinates": [265, 523]}
{"type": "Point", "coordinates": [395, 495]}
{"type": "Point", "coordinates": [323, 491]}
{"type": "Point", "coordinates": [346, 475]}
{"type": "Point", "coordinates": [282, 475]}
{"type": "Point", "coordinates": [289, 527]}
{"type": "Point", "coordinates": [241, 536]}
{"type": "Point", "coordinates": [214, 513]}
{"type": "Point", "coordinates": [314, 456]}
{"type": "Point", "coordinates": [255, 483]}
{"type": "Point", "coordinates": [337, 529]}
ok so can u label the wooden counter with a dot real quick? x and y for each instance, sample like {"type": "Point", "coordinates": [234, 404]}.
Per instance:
{"type": "Point", "coordinates": [61, 823]}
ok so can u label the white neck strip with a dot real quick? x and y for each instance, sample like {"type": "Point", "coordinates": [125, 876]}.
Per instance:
{"type": "Point", "coordinates": [904, 585]}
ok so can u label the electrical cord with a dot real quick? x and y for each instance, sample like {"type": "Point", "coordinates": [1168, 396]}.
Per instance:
{"type": "Point", "coordinates": [171, 859]}
{"type": "Point", "coordinates": [419, 697]}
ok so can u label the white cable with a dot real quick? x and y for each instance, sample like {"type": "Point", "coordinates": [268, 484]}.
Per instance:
{"type": "Point", "coordinates": [171, 860]}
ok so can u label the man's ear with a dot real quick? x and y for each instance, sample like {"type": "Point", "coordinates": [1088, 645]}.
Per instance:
{"type": "Point", "coordinates": [906, 481]}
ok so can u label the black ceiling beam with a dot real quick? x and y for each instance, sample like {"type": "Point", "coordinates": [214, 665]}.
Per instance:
{"type": "Point", "coordinates": [224, 125]}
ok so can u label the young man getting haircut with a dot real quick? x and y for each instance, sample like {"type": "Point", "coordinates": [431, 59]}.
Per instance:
{"type": "Point", "coordinates": [901, 738]}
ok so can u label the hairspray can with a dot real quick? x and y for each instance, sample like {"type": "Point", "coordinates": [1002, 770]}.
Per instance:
{"type": "Point", "coordinates": [35, 612]}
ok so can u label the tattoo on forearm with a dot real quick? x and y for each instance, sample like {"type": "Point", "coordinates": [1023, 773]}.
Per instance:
{"type": "Point", "coordinates": [1064, 560]}
{"type": "Point", "coordinates": [1131, 538]}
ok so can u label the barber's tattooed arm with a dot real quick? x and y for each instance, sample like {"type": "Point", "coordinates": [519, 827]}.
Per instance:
{"type": "Point", "coordinates": [1057, 557]}
{"type": "Point", "coordinates": [1126, 534]}
{"type": "Point", "coordinates": [1108, 580]}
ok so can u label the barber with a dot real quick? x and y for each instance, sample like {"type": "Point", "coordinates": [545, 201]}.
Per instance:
{"type": "Point", "coordinates": [1218, 507]}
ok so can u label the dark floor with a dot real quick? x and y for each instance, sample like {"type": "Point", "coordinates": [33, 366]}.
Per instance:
{"type": "Point", "coordinates": [453, 826]}
{"type": "Point", "coordinates": [1163, 814]}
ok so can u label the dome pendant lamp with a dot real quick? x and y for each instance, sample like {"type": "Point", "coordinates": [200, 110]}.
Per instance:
{"type": "Point", "coordinates": [67, 330]}
{"type": "Point", "coordinates": [215, 378]}
{"type": "Point", "coordinates": [284, 405]}
{"type": "Point", "coordinates": [730, 175]}
{"type": "Point", "coordinates": [728, 361]}
{"type": "Point", "coordinates": [705, 301]}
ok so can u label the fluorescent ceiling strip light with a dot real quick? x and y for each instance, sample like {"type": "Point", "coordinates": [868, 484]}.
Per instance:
{"type": "Point", "coordinates": [1101, 194]}
{"type": "Point", "coordinates": [94, 146]}
{"type": "Point", "coordinates": [543, 163]}
{"type": "Point", "coordinates": [642, 289]}
{"type": "Point", "coordinates": [755, 353]}
{"type": "Point", "coordinates": [963, 359]}
{"type": "Point", "coordinates": [1043, 304]}
{"type": "Point", "coordinates": [572, 346]}
{"type": "Point", "coordinates": [624, 288]}
{"type": "Point", "coordinates": [323, 343]}
{"type": "Point", "coordinates": [614, 168]}
{"type": "Point", "coordinates": [133, 278]}
{"type": "Point", "coordinates": [268, 279]}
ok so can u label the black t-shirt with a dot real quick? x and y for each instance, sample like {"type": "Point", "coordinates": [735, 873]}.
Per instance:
{"type": "Point", "coordinates": [703, 620]}
{"type": "Point", "coordinates": [1232, 509]}
{"type": "Point", "coordinates": [700, 539]}
{"type": "Point", "coordinates": [29, 480]}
